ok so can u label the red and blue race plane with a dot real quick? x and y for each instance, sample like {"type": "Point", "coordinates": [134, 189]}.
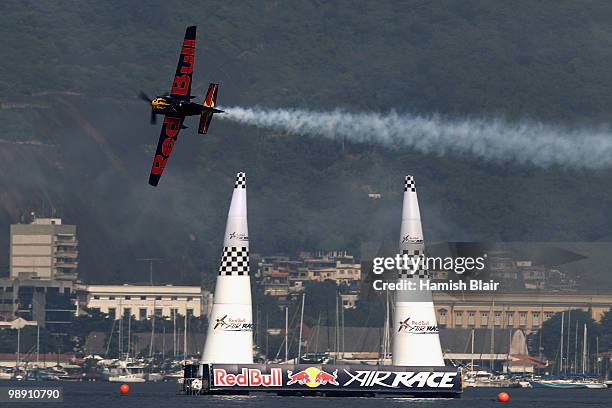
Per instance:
{"type": "Point", "coordinates": [176, 105]}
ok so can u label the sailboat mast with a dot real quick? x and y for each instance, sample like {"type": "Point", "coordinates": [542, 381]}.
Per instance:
{"type": "Point", "coordinates": [152, 331]}
{"type": "Point", "coordinates": [576, 350]}
{"type": "Point", "coordinates": [472, 366]}
{"type": "Point", "coordinates": [386, 328]}
{"type": "Point", "coordinates": [567, 347]}
{"type": "Point", "coordinates": [286, 333]}
{"type": "Point", "coordinates": [174, 331]}
{"type": "Point", "coordinates": [490, 317]}
{"type": "Point", "coordinates": [110, 338]}
{"type": "Point", "coordinates": [584, 349]}
{"type": "Point", "coordinates": [561, 347]}
{"type": "Point", "coordinates": [301, 325]}
{"type": "Point", "coordinates": [129, 335]}
{"type": "Point", "coordinates": [37, 344]}
{"type": "Point", "coordinates": [120, 334]}
{"type": "Point", "coordinates": [267, 344]}
{"type": "Point", "coordinates": [18, 349]}
{"type": "Point", "coordinates": [185, 337]}
{"type": "Point", "coordinates": [337, 337]}
{"type": "Point", "coordinates": [342, 331]}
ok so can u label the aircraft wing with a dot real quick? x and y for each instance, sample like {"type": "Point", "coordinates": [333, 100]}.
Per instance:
{"type": "Point", "coordinates": [181, 85]}
{"type": "Point", "coordinates": [169, 132]}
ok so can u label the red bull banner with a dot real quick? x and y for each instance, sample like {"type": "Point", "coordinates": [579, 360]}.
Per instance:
{"type": "Point", "coordinates": [329, 378]}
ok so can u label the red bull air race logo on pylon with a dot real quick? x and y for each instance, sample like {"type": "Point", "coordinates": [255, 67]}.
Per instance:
{"type": "Point", "coordinates": [417, 326]}
{"type": "Point", "coordinates": [228, 323]}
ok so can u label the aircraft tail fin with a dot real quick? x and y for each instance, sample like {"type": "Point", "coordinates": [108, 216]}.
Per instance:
{"type": "Point", "coordinates": [211, 96]}
{"type": "Point", "coordinates": [209, 108]}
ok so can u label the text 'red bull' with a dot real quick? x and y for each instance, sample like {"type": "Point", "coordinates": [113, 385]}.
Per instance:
{"type": "Point", "coordinates": [169, 134]}
{"type": "Point", "coordinates": [248, 377]}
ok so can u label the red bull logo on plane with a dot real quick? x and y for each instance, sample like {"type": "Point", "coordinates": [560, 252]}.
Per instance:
{"type": "Point", "coordinates": [248, 377]}
{"type": "Point", "coordinates": [312, 377]}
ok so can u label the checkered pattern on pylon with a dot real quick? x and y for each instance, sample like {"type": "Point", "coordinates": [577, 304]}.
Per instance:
{"type": "Point", "coordinates": [240, 180]}
{"type": "Point", "coordinates": [235, 261]}
{"type": "Point", "coordinates": [421, 270]}
{"type": "Point", "coordinates": [409, 184]}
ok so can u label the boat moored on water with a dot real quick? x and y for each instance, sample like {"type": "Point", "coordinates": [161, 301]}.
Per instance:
{"type": "Point", "coordinates": [568, 384]}
{"type": "Point", "coordinates": [41, 374]}
{"type": "Point", "coordinates": [6, 373]}
{"type": "Point", "coordinates": [126, 378]}
{"type": "Point", "coordinates": [485, 379]}
{"type": "Point", "coordinates": [126, 371]}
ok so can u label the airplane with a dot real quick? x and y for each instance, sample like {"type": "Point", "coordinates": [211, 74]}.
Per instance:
{"type": "Point", "coordinates": [176, 105]}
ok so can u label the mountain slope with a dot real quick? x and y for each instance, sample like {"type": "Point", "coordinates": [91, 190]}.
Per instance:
{"type": "Point", "coordinates": [76, 141]}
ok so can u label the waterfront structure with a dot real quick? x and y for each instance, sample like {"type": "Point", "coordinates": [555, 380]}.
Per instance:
{"type": "Point", "coordinates": [144, 301]}
{"type": "Point", "coordinates": [523, 310]}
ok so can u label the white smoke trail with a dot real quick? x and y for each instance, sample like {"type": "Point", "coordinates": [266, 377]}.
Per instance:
{"type": "Point", "coordinates": [491, 139]}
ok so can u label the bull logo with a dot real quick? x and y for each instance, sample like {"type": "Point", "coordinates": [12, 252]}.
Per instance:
{"type": "Point", "coordinates": [312, 377]}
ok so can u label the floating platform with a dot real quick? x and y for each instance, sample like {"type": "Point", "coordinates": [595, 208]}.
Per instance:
{"type": "Point", "coordinates": [323, 380]}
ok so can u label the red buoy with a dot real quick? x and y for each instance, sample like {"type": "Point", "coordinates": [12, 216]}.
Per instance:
{"type": "Point", "coordinates": [503, 397]}
{"type": "Point", "coordinates": [124, 389]}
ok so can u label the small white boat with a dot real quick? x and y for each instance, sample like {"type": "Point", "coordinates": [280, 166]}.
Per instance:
{"type": "Point", "coordinates": [485, 379]}
{"type": "Point", "coordinates": [596, 385]}
{"type": "Point", "coordinates": [568, 384]}
{"type": "Point", "coordinates": [154, 377]}
{"type": "Point", "coordinates": [174, 375]}
{"type": "Point", "coordinates": [126, 378]}
{"type": "Point", "coordinates": [524, 384]}
{"type": "Point", "coordinates": [126, 371]}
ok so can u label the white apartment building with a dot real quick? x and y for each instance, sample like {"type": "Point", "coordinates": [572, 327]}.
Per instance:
{"type": "Point", "coordinates": [143, 301]}
{"type": "Point", "coordinates": [44, 249]}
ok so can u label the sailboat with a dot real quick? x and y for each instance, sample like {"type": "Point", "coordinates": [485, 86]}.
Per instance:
{"type": "Point", "coordinates": [126, 370]}
{"type": "Point", "coordinates": [572, 383]}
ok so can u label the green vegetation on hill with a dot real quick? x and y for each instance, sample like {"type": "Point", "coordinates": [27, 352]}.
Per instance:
{"type": "Point", "coordinates": [547, 341]}
{"type": "Point", "coordinates": [547, 61]}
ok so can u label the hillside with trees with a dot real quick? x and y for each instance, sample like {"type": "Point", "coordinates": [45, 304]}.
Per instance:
{"type": "Point", "coordinates": [76, 143]}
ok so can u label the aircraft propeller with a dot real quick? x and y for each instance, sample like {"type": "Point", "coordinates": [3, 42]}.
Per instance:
{"type": "Point", "coordinates": [146, 98]}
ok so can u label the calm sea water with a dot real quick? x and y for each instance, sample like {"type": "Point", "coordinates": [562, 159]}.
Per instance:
{"type": "Point", "coordinates": [167, 395]}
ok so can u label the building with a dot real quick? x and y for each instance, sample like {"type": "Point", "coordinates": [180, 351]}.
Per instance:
{"type": "Point", "coordinates": [281, 275]}
{"type": "Point", "coordinates": [44, 249]}
{"type": "Point", "coordinates": [526, 311]}
{"type": "Point", "coordinates": [143, 301]}
{"type": "Point", "coordinates": [51, 303]}
{"type": "Point", "coordinates": [273, 271]}
{"type": "Point", "coordinates": [337, 266]}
